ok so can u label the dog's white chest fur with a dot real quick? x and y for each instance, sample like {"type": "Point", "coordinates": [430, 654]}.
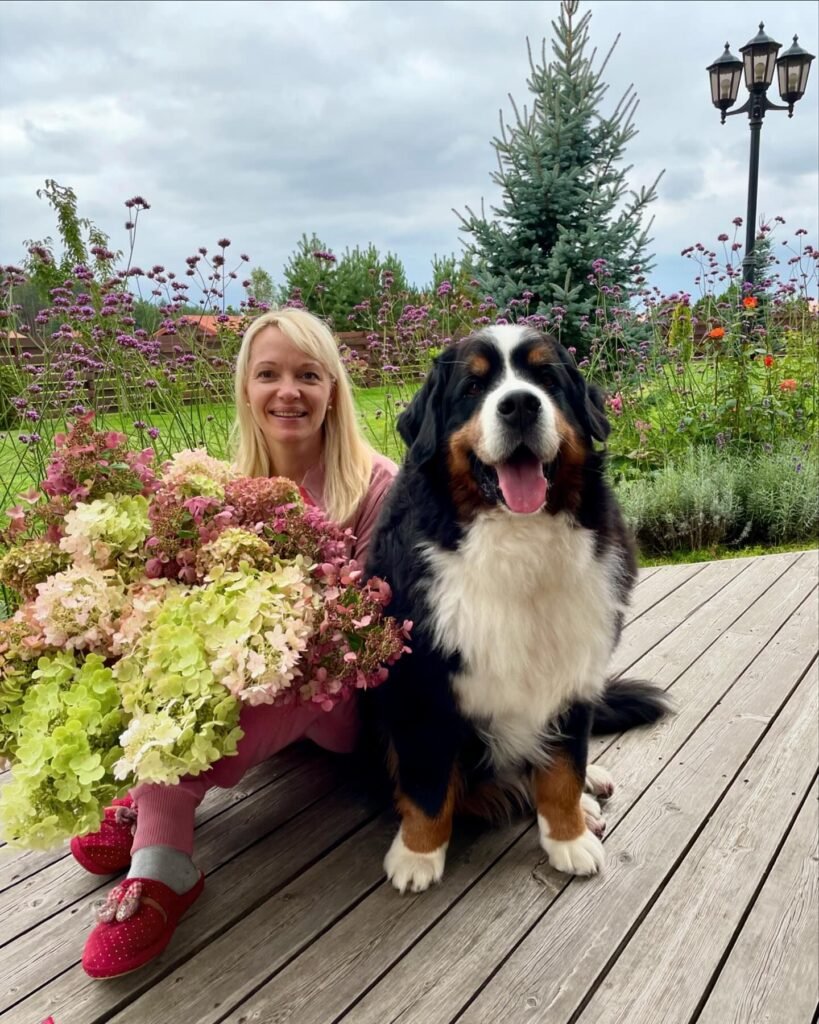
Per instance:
{"type": "Point", "coordinates": [532, 613]}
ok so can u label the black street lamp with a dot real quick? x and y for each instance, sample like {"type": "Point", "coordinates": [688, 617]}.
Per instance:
{"type": "Point", "coordinates": [758, 60]}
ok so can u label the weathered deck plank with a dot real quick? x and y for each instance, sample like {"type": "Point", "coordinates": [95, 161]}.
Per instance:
{"type": "Point", "coordinates": [689, 927]}
{"type": "Point", "coordinates": [772, 973]}
{"type": "Point", "coordinates": [653, 589]}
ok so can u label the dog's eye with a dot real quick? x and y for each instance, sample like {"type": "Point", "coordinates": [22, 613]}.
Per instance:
{"type": "Point", "coordinates": [474, 388]}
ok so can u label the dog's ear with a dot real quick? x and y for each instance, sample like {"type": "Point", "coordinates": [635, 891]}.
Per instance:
{"type": "Point", "coordinates": [590, 401]}
{"type": "Point", "coordinates": [595, 407]}
{"type": "Point", "coordinates": [421, 423]}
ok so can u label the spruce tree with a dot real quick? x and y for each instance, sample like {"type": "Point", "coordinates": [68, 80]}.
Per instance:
{"type": "Point", "coordinates": [565, 196]}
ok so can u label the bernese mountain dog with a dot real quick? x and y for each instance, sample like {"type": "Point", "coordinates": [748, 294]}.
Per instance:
{"type": "Point", "coordinates": [504, 545]}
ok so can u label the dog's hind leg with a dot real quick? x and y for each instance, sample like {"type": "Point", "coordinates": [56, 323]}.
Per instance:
{"type": "Point", "coordinates": [593, 815]}
{"type": "Point", "coordinates": [563, 820]}
{"type": "Point", "coordinates": [599, 782]}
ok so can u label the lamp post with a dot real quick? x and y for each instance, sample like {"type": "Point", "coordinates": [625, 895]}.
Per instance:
{"type": "Point", "coordinates": [758, 61]}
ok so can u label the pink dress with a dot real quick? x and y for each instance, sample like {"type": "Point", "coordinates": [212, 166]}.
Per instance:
{"type": "Point", "coordinates": [166, 813]}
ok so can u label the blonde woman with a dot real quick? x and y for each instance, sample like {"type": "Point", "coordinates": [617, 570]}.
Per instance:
{"type": "Point", "coordinates": [295, 417]}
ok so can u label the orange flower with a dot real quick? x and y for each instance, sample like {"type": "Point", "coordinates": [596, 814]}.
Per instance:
{"type": "Point", "coordinates": [750, 302]}
{"type": "Point", "coordinates": [716, 333]}
{"type": "Point", "coordinates": [788, 385]}
{"type": "Point", "coordinates": [769, 361]}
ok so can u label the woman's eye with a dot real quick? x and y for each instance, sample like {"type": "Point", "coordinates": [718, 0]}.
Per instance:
{"type": "Point", "coordinates": [311, 376]}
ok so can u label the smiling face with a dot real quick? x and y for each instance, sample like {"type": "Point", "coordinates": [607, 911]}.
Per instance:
{"type": "Point", "coordinates": [288, 392]}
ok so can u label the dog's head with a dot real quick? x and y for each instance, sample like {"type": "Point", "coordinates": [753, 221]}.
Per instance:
{"type": "Point", "coordinates": [510, 416]}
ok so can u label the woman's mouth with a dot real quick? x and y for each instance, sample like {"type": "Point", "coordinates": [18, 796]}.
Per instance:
{"type": "Point", "coordinates": [282, 415]}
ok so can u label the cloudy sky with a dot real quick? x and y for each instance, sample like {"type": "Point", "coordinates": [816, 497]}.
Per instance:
{"type": "Point", "coordinates": [364, 121]}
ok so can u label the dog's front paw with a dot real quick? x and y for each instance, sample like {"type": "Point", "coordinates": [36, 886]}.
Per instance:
{"type": "Point", "coordinates": [414, 871]}
{"type": "Point", "coordinates": [581, 856]}
{"type": "Point", "coordinates": [594, 816]}
{"type": "Point", "coordinates": [599, 782]}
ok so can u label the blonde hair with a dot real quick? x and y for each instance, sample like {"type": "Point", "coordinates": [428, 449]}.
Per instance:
{"type": "Point", "coordinates": [348, 459]}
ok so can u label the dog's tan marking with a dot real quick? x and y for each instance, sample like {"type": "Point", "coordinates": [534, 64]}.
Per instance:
{"type": "Point", "coordinates": [566, 488]}
{"type": "Point", "coordinates": [478, 364]}
{"type": "Point", "coordinates": [422, 834]}
{"type": "Point", "coordinates": [539, 355]}
{"type": "Point", "coordinates": [558, 789]}
{"type": "Point", "coordinates": [466, 494]}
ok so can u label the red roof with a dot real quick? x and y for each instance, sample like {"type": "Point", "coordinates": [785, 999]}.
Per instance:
{"type": "Point", "coordinates": [206, 323]}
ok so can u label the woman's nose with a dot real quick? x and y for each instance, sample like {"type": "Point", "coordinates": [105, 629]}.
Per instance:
{"type": "Point", "coordinates": [288, 387]}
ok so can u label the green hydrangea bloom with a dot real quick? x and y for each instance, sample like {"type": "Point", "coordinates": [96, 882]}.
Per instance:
{"type": "Point", "coordinates": [238, 636]}
{"type": "Point", "coordinates": [19, 650]}
{"type": "Point", "coordinates": [68, 742]}
{"type": "Point", "coordinates": [109, 532]}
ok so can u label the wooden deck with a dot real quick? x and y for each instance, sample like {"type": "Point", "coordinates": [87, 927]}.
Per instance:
{"type": "Point", "coordinates": [706, 911]}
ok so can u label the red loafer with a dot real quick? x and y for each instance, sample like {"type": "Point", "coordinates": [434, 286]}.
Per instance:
{"type": "Point", "coordinates": [136, 923]}
{"type": "Point", "coordinates": [108, 851]}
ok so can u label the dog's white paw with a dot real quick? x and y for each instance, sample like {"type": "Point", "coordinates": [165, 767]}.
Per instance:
{"type": "Point", "coordinates": [598, 781]}
{"type": "Point", "coordinates": [414, 871]}
{"type": "Point", "coordinates": [594, 816]}
{"type": "Point", "coordinates": [581, 856]}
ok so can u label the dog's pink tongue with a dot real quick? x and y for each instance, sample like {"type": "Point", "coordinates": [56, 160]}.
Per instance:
{"type": "Point", "coordinates": [523, 484]}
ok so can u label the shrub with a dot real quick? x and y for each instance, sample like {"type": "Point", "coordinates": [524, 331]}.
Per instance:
{"type": "Point", "coordinates": [339, 288]}
{"type": "Point", "coordinates": [706, 498]}
{"type": "Point", "coordinates": [689, 504]}
{"type": "Point", "coordinates": [780, 493]}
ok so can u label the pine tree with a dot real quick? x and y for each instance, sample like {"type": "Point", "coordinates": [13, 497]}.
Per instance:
{"type": "Point", "coordinates": [565, 197]}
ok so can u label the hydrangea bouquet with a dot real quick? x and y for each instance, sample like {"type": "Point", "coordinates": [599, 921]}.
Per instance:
{"type": "Point", "coordinates": [151, 603]}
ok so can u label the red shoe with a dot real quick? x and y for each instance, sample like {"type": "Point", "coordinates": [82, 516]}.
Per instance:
{"type": "Point", "coordinates": [136, 923]}
{"type": "Point", "coordinates": [108, 851]}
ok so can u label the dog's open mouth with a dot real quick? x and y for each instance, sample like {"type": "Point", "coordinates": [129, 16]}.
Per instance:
{"type": "Point", "coordinates": [520, 482]}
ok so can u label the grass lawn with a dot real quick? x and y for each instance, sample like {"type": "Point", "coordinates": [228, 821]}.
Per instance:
{"type": "Point", "coordinates": [720, 551]}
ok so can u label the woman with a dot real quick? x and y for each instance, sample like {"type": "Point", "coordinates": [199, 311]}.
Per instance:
{"type": "Point", "coordinates": [295, 417]}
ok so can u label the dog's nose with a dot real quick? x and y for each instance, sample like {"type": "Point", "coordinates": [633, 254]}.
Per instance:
{"type": "Point", "coordinates": [519, 409]}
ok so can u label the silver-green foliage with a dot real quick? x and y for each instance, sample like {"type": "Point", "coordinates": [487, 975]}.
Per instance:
{"type": "Point", "coordinates": [708, 497]}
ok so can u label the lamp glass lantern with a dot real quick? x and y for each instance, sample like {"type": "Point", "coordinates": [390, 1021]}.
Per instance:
{"type": "Point", "coordinates": [792, 72]}
{"type": "Point", "coordinates": [724, 74]}
{"type": "Point", "coordinates": [759, 58]}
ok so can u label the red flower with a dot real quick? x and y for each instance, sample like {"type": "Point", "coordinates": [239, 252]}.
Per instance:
{"type": "Point", "coordinates": [788, 385]}
{"type": "Point", "coordinates": [716, 333]}
{"type": "Point", "coordinates": [750, 302]}
{"type": "Point", "coordinates": [769, 361]}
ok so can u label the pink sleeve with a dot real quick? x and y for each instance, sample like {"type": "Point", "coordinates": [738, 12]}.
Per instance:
{"type": "Point", "coordinates": [384, 473]}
